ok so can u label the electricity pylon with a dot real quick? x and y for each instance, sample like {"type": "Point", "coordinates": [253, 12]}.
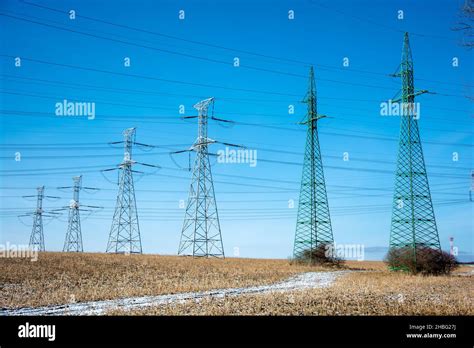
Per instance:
{"type": "Point", "coordinates": [313, 226]}
{"type": "Point", "coordinates": [124, 234]}
{"type": "Point", "coordinates": [73, 242]}
{"type": "Point", "coordinates": [201, 232]}
{"type": "Point", "coordinates": [413, 225]}
{"type": "Point", "coordinates": [37, 236]}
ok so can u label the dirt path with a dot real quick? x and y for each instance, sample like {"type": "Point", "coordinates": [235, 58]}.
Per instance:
{"type": "Point", "coordinates": [302, 281]}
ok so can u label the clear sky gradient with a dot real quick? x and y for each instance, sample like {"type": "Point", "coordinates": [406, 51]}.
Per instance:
{"type": "Point", "coordinates": [180, 62]}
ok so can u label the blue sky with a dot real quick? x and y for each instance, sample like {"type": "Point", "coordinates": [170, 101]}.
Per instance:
{"type": "Point", "coordinates": [179, 62]}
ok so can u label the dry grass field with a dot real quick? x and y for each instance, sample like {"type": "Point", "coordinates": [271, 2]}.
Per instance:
{"type": "Point", "coordinates": [359, 293]}
{"type": "Point", "coordinates": [58, 278]}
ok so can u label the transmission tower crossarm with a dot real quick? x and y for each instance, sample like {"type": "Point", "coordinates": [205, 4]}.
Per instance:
{"type": "Point", "coordinates": [221, 120]}
{"type": "Point", "coordinates": [92, 206]}
{"type": "Point", "coordinates": [313, 119]}
{"type": "Point", "coordinates": [232, 145]}
{"type": "Point", "coordinates": [181, 151]}
{"type": "Point", "coordinates": [148, 165]}
{"type": "Point", "coordinates": [411, 95]}
{"type": "Point", "coordinates": [202, 142]}
{"type": "Point", "coordinates": [110, 169]}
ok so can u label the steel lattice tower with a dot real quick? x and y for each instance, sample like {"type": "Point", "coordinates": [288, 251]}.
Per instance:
{"type": "Point", "coordinates": [413, 221]}
{"type": "Point", "coordinates": [201, 233]}
{"type": "Point", "coordinates": [313, 226]}
{"type": "Point", "coordinates": [125, 232]}
{"type": "Point", "coordinates": [37, 237]}
{"type": "Point", "coordinates": [73, 240]}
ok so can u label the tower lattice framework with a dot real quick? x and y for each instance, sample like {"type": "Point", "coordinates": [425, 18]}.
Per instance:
{"type": "Point", "coordinates": [201, 233]}
{"type": "Point", "coordinates": [413, 226]}
{"type": "Point", "coordinates": [124, 234]}
{"type": "Point", "coordinates": [37, 236]}
{"type": "Point", "coordinates": [313, 226]}
{"type": "Point", "coordinates": [73, 240]}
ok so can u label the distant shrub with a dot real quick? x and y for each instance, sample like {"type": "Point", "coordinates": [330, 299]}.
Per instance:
{"type": "Point", "coordinates": [322, 255]}
{"type": "Point", "coordinates": [429, 261]}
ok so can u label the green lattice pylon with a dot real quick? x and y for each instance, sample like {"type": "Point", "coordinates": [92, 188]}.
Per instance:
{"type": "Point", "coordinates": [313, 226]}
{"type": "Point", "coordinates": [413, 221]}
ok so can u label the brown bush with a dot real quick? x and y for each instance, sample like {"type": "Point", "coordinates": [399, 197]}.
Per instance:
{"type": "Point", "coordinates": [321, 255]}
{"type": "Point", "coordinates": [422, 260]}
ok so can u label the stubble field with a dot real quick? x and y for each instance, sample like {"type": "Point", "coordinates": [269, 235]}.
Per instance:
{"type": "Point", "coordinates": [59, 278]}
{"type": "Point", "coordinates": [377, 293]}
{"type": "Point", "coordinates": [369, 289]}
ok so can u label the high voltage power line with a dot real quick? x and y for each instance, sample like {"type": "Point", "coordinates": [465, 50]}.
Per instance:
{"type": "Point", "coordinates": [263, 216]}
{"type": "Point", "coordinates": [244, 211]}
{"type": "Point", "coordinates": [152, 78]}
{"type": "Point", "coordinates": [154, 93]}
{"type": "Point", "coordinates": [163, 119]}
{"type": "Point", "coordinates": [41, 157]}
{"type": "Point", "coordinates": [196, 84]}
{"type": "Point", "coordinates": [97, 169]}
{"type": "Point", "coordinates": [173, 147]}
{"type": "Point", "coordinates": [266, 125]}
{"type": "Point", "coordinates": [444, 186]}
{"type": "Point", "coordinates": [226, 48]}
{"type": "Point", "coordinates": [373, 22]}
